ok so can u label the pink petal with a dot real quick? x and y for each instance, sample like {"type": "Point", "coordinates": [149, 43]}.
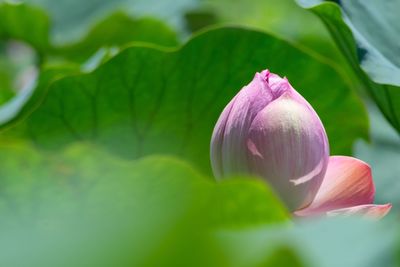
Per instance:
{"type": "Point", "coordinates": [347, 183]}
{"type": "Point", "coordinates": [228, 140]}
{"type": "Point", "coordinates": [217, 140]}
{"type": "Point", "coordinates": [369, 211]}
{"type": "Point", "coordinates": [288, 147]}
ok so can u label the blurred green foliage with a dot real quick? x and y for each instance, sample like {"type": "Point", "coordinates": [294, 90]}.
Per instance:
{"type": "Point", "coordinates": [282, 17]}
{"type": "Point", "coordinates": [118, 30]}
{"type": "Point", "coordinates": [287, 20]}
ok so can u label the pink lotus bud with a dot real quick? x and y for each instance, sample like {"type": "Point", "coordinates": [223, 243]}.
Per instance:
{"type": "Point", "coordinates": [271, 131]}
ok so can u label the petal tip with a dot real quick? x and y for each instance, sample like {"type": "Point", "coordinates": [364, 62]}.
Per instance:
{"type": "Point", "coordinates": [347, 183]}
{"type": "Point", "coordinates": [370, 211]}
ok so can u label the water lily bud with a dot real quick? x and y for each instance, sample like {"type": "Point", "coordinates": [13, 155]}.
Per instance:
{"type": "Point", "coordinates": [270, 130]}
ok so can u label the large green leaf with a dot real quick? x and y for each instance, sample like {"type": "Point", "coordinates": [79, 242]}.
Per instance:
{"type": "Point", "coordinates": [367, 33]}
{"type": "Point", "coordinates": [83, 207]}
{"type": "Point", "coordinates": [146, 100]}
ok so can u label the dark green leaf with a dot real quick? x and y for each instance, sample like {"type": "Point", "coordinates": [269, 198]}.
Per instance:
{"type": "Point", "coordinates": [366, 32]}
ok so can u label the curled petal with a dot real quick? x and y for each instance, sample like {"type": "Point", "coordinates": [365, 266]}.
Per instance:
{"type": "Point", "coordinates": [347, 182]}
{"type": "Point", "coordinates": [368, 211]}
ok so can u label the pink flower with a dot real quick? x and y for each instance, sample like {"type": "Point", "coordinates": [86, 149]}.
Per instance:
{"type": "Point", "coordinates": [269, 130]}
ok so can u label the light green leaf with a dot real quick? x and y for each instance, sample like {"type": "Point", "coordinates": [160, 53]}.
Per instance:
{"type": "Point", "coordinates": [367, 32]}
{"type": "Point", "coordinates": [84, 207]}
{"type": "Point", "coordinates": [146, 100]}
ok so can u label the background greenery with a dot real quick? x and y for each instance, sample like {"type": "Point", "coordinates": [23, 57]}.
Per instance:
{"type": "Point", "coordinates": [104, 158]}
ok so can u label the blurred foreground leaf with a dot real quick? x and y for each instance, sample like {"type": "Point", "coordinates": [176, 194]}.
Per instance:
{"type": "Point", "coordinates": [367, 33]}
{"type": "Point", "coordinates": [282, 257]}
{"type": "Point", "coordinates": [148, 101]}
{"type": "Point", "coordinates": [83, 207]}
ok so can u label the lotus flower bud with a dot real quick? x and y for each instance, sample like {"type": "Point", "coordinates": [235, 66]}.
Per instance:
{"type": "Point", "coordinates": [269, 130]}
